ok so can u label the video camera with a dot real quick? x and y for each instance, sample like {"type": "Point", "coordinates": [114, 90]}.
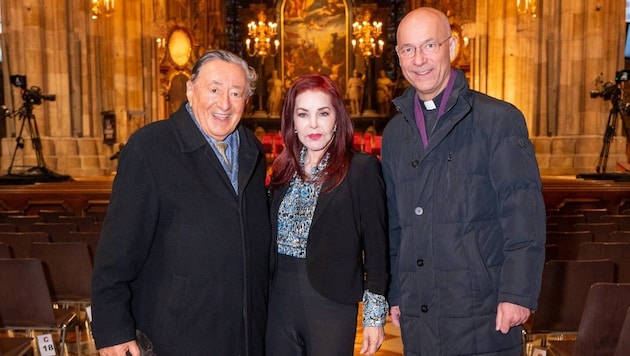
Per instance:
{"type": "Point", "coordinates": [610, 90]}
{"type": "Point", "coordinates": [34, 95]}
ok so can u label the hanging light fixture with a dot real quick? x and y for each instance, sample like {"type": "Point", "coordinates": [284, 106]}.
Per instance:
{"type": "Point", "coordinates": [260, 34]}
{"type": "Point", "coordinates": [101, 8]}
{"type": "Point", "coordinates": [259, 44]}
{"type": "Point", "coordinates": [365, 37]}
{"type": "Point", "coordinates": [526, 7]}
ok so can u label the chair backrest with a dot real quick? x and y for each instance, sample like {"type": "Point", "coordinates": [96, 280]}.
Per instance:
{"type": "Point", "coordinates": [8, 227]}
{"type": "Point", "coordinates": [16, 346]}
{"type": "Point", "coordinates": [69, 268]}
{"type": "Point", "coordinates": [24, 222]}
{"type": "Point", "coordinates": [622, 220]}
{"type": "Point", "coordinates": [24, 296]}
{"type": "Point", "coordinates": [89, 237]}
{"type": "Point", "coordinates": [619, 236]}
{"type": "Point", "coordinates": [601, 230]}
{"type": "Point", "coordinates": [568, 242]}
{"type": "Point", "coordinates": [602, 319]}
{"type": "Point", "coordinates": [566, 221]}
{"type": "Point", "coordinates": [83, 223]}
{"type": "Point", "coordinates": [618, 252]}
{"type": "Point", "coordinates": [592, 214]}
{"type": "Point", "coordinates": [20, 242]}
{"type": "Point", "coordinates": [52, 215]}
{"type": "Point", "coordinates": [551, 252]}
{"type": "Point", "coordinates": [565, 285]}
{"type": "Point", "coordinates": [5, 251]}
{"type": "Point", "coordinates": [623, 342]}
{"type": "Point", "coordinates": [57, 231]}
{"type": "Point", "coordinates": [571, 205]}
{"type": "Point", "coordinates": [4, 215]}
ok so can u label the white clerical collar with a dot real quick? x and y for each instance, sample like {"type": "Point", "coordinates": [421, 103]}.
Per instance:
{"type": "Point", "coordinates": [429, 105]}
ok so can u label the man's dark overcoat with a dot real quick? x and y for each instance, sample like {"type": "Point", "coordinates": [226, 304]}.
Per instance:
{"type": "Point", "coordinates": [182, 257]}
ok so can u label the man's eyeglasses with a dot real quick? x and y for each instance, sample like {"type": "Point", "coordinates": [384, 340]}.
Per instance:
{"type": "Point", "coordinates": [427, 49]}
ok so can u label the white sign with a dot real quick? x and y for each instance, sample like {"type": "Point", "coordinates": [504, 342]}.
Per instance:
{"type": "Point", "coordinates": [46, 345]}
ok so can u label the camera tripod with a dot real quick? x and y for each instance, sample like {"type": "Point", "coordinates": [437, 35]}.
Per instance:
{"type": "Point", "coordinates": [609, 133]}
{"type": "Point", "coordinates": [38, 173]}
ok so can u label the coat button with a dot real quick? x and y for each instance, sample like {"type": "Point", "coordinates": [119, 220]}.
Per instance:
{"type": "Point", "coordinates": [418, 211]}
{"type": "Point", "coordinates": [424, 308]}
{"type": "Point", "coordinates": [420, 262]}
{"type": "Point", "coordinates": [415, 163]}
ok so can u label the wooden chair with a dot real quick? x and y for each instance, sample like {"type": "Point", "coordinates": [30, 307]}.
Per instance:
{"type": "Point", "coordinates": [565, 286]}
{"type": "Point", "coordinates": [20, 242]}
{"type": "Point", "coordinates": [552, 211]}
{"type": "Point", "coordinates": [89, 237]}
{"type": "Point", "coordinates": [566, 221]}
{"type": "Point", "coordinates": [25, 302]}
{"type": "Point", "coordinates": [68, 266]}
{"type": "Point", "coordinates": [568, 242]}
{"type": "Point", "coordinates": [16, 346]}
{"type": "Point", "coordinates": [52, 215]}
{"type": "Point", "coordinates": [619, 236]}
{"type": "Point", "coordinates": [618, 252]}
{"type": "Point", "coordinates": [57, 231]}
{"type": "Point", "coordinates": [5, 251]}
{"type": "Point", "coordinates": [570, 205]}
{"type": "Point", "coordinates": [8, 227]}
{"type": "Point", "coordinates": [83, 223]}
{"type": "Point", "coordinates": [592, 215]}
{"type": "Point", "coordinates": [622, 221]}
{"type": "Point", "coordinates": [551, 252]}
{"type": "Point", "coordinates": [97, 209]}
{"type": "Point", "coordinates": [24, 222]}
{"type": "Point", "coordinates": [4, 215]}
{"type": "Point", "coordinates": [623, 345]}
{"type": "Point", "coordinates": [601, 230]}
{"type": "Point", "coordinates": [601, 323]}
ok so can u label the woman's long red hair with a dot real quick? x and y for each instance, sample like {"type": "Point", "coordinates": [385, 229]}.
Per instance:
{"type": "Point", "coordinates": [340, 149]}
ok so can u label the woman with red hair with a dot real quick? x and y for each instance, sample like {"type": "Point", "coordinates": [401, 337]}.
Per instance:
{"type": "Point", "coordinates": [328, 213]}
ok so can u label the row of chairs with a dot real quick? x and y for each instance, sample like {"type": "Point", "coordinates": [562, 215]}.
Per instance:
{"type": "Point", "coordinates": [272, 144]}
{"type": "Point", "coordinates": [571, 222]}
{"type": "Point", "coordinates": [604, 327]}
{"type": "Point", "coordinates": [18, 222]}
{"type": "Point", "coordinates": [368, 142]}
{"type": "Point", "coordinates": [15, 345]}
{"type": "Point", "coordinates": [18, 244]}
{"type": "Point", "coordinates": [39, 295]}
{"type": "Point", "coordinates": [572, 205]}
{"type": "Point", "coordinates": [365, 142]}
{"type": "Point", "coordinates": [565, 290]}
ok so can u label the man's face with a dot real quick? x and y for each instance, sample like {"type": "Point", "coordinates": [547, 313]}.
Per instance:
{"type": "Point", "coordinates": [217, 97]}
{"type": "Point", "coordinates": [427, 72]}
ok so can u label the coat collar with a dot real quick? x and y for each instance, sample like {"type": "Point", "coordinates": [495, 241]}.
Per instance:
{"type": "Point", "coordinates": [190, 139]}
{"type": "Point", "coordinates": [458, 105]}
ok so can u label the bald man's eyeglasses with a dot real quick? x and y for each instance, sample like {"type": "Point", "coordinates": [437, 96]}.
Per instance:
{"type": "Point", "coordinates": [427, 49]}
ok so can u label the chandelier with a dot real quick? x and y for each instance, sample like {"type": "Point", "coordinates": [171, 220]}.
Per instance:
{"type": "Point", "coordinates": [365, 35]}
{"type": "Point", "coordinates": [101, 8]}
{"type": "Point", "coordinates": [526, 7]}
{"type": "Point", "coordinates": [260, 34]}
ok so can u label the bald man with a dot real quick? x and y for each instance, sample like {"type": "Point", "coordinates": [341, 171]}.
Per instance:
{"type": "Point", "coordinates": [466, 212]}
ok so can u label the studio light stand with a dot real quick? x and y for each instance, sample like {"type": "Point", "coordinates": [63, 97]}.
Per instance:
{"type": "Point", "coordinates": [39, 172]}
{"type": "Point", "coordinates": [611, 91]}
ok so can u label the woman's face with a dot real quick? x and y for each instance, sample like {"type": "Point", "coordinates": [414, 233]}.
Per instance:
{"type": "Point", "coordinates": [314, 119]}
